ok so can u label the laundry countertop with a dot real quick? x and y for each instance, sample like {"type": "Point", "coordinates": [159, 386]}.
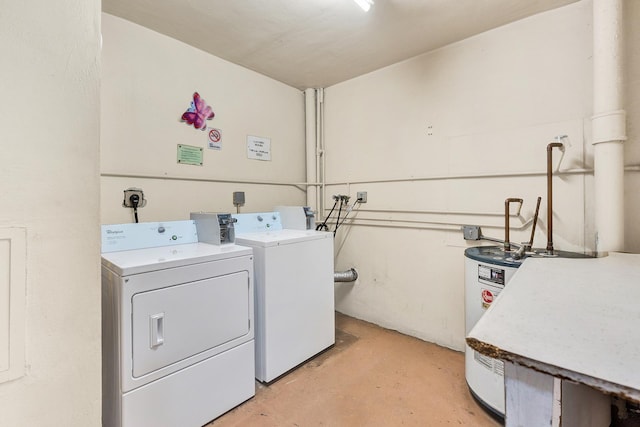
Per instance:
{"type": "Point", "coordinates": [571, 318]}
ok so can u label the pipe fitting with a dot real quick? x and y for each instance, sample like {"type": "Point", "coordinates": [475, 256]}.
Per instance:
{"type": "Point", "coordinates": [507, 202]}
{"type": "Point", "coordinates": [350, 275]}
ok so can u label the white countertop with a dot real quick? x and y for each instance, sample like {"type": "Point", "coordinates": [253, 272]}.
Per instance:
{"type": "Point", "coordinates": [572, 318]}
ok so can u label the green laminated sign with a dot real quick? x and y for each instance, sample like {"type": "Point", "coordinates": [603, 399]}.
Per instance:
{"type": "Point", "coordinates": [189, 155]}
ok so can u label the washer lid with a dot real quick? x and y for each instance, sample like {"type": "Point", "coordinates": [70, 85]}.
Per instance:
{"type": "Point", "coordinates": [280, 237]}
{"type": "Point", "coordinates": [136, 261]}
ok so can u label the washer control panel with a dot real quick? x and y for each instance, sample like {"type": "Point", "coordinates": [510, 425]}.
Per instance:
{"type": "Point", "coordinates": [257, 222]}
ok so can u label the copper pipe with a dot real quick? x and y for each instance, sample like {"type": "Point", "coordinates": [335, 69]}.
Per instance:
{"type": "Point", "coordinates": [507, 202]}
{"type": "Point", "coordinates": [535, 222]}
{"type": "Point", "coordinates": [550, 195]}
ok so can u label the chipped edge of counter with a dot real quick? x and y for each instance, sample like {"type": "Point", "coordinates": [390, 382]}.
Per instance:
{"type": "Point", "coordinates": [607, 387]}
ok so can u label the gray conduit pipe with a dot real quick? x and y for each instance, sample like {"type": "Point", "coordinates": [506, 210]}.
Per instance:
{"type": "Point", "coordinates": [351, 275]}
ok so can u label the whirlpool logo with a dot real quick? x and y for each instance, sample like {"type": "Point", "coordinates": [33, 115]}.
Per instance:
{"type": "Point", "coordinates": [115, 231]}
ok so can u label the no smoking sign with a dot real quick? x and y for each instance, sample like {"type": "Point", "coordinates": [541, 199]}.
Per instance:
{"type": "Point", "coordinates": [215, 138]}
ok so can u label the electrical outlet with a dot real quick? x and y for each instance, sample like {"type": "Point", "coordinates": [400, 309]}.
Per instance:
{"type": "Point", "coordinates": [362, 196]}
{"type": "Point", "coordinates": [127, 203]}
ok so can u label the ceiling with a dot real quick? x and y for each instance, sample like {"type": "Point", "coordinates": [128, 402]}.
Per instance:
{"type": "Point", "coordinates": [318, 43]}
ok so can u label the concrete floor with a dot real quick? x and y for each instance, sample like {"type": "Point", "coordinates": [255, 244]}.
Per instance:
{"type": "Point", "coordinates": [371, 377]}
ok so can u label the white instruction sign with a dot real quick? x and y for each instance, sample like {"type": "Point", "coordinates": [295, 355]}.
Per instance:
{"type": "Point", "coordinates": [258, 148]}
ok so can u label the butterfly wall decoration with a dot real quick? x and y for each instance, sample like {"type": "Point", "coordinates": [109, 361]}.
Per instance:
{"type": "Point", "coordinates": [198, 113]}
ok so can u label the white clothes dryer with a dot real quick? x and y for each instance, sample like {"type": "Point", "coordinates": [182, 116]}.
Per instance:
{"type": "Point", "coordinates": [177, 326]}
{"type": "Point", "coordinates": [295, 308]}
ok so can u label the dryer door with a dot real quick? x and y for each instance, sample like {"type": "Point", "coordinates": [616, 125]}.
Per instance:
{"type": "Point", "coordinates": [176, 322]}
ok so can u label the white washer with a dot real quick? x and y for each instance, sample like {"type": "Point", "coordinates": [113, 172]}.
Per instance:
{"type": "Point", "coordinates": [177, 326]}
{"type": "Point", "coordinates": [295, 316]}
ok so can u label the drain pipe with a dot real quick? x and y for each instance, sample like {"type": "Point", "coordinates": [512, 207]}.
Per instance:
{"type": "Point", "coordinates": [608, 124]}
{"type": "Point", "coordinates": [311, 146]}
{"type": "Point", "coordinates": [351, 275]}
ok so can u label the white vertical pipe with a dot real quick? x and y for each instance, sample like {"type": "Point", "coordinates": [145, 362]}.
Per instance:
{"type": "Point", "coordinates": [310, 145]}
{"type": "Point", "coordinates": [320, 158]}
{"type": "Point", "coordinates": [608, 124]}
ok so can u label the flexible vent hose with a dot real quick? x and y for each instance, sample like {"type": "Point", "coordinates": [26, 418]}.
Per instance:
{"type": "Point", "coordinates": [350, 275]}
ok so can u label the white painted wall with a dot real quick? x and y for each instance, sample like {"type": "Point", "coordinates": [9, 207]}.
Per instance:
{"type": "Point", "coordinates": [148, 81]}
{"type": "Point", "coordinates": [486, 105]}
{"type": "Point", "coordinates": [49, 185]}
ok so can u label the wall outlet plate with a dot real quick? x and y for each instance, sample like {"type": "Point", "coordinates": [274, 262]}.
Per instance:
{"type": "Point", "coordinates": [361, 196]}
{"type": "Point", "coordinates": [471, 232]}
{"type": "Point", "coordinates": [126, 203]}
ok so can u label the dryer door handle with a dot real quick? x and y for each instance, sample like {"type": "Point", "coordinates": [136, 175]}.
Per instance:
{"type": "Point", "coordinates": [156, 323]}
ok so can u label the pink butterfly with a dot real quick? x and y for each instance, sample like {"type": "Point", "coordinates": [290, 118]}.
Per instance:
{"type": "Point", "coordinates": [199, 112]}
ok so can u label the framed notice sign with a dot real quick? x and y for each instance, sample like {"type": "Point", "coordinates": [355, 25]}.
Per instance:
{"type": "Point", "coordinates": [258, 148]}
{"type": "Point", "coordinates": [189, 155]}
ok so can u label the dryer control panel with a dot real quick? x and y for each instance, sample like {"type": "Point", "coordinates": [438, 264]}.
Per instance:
{"type": "Point", "coordinates": [124, 237]}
